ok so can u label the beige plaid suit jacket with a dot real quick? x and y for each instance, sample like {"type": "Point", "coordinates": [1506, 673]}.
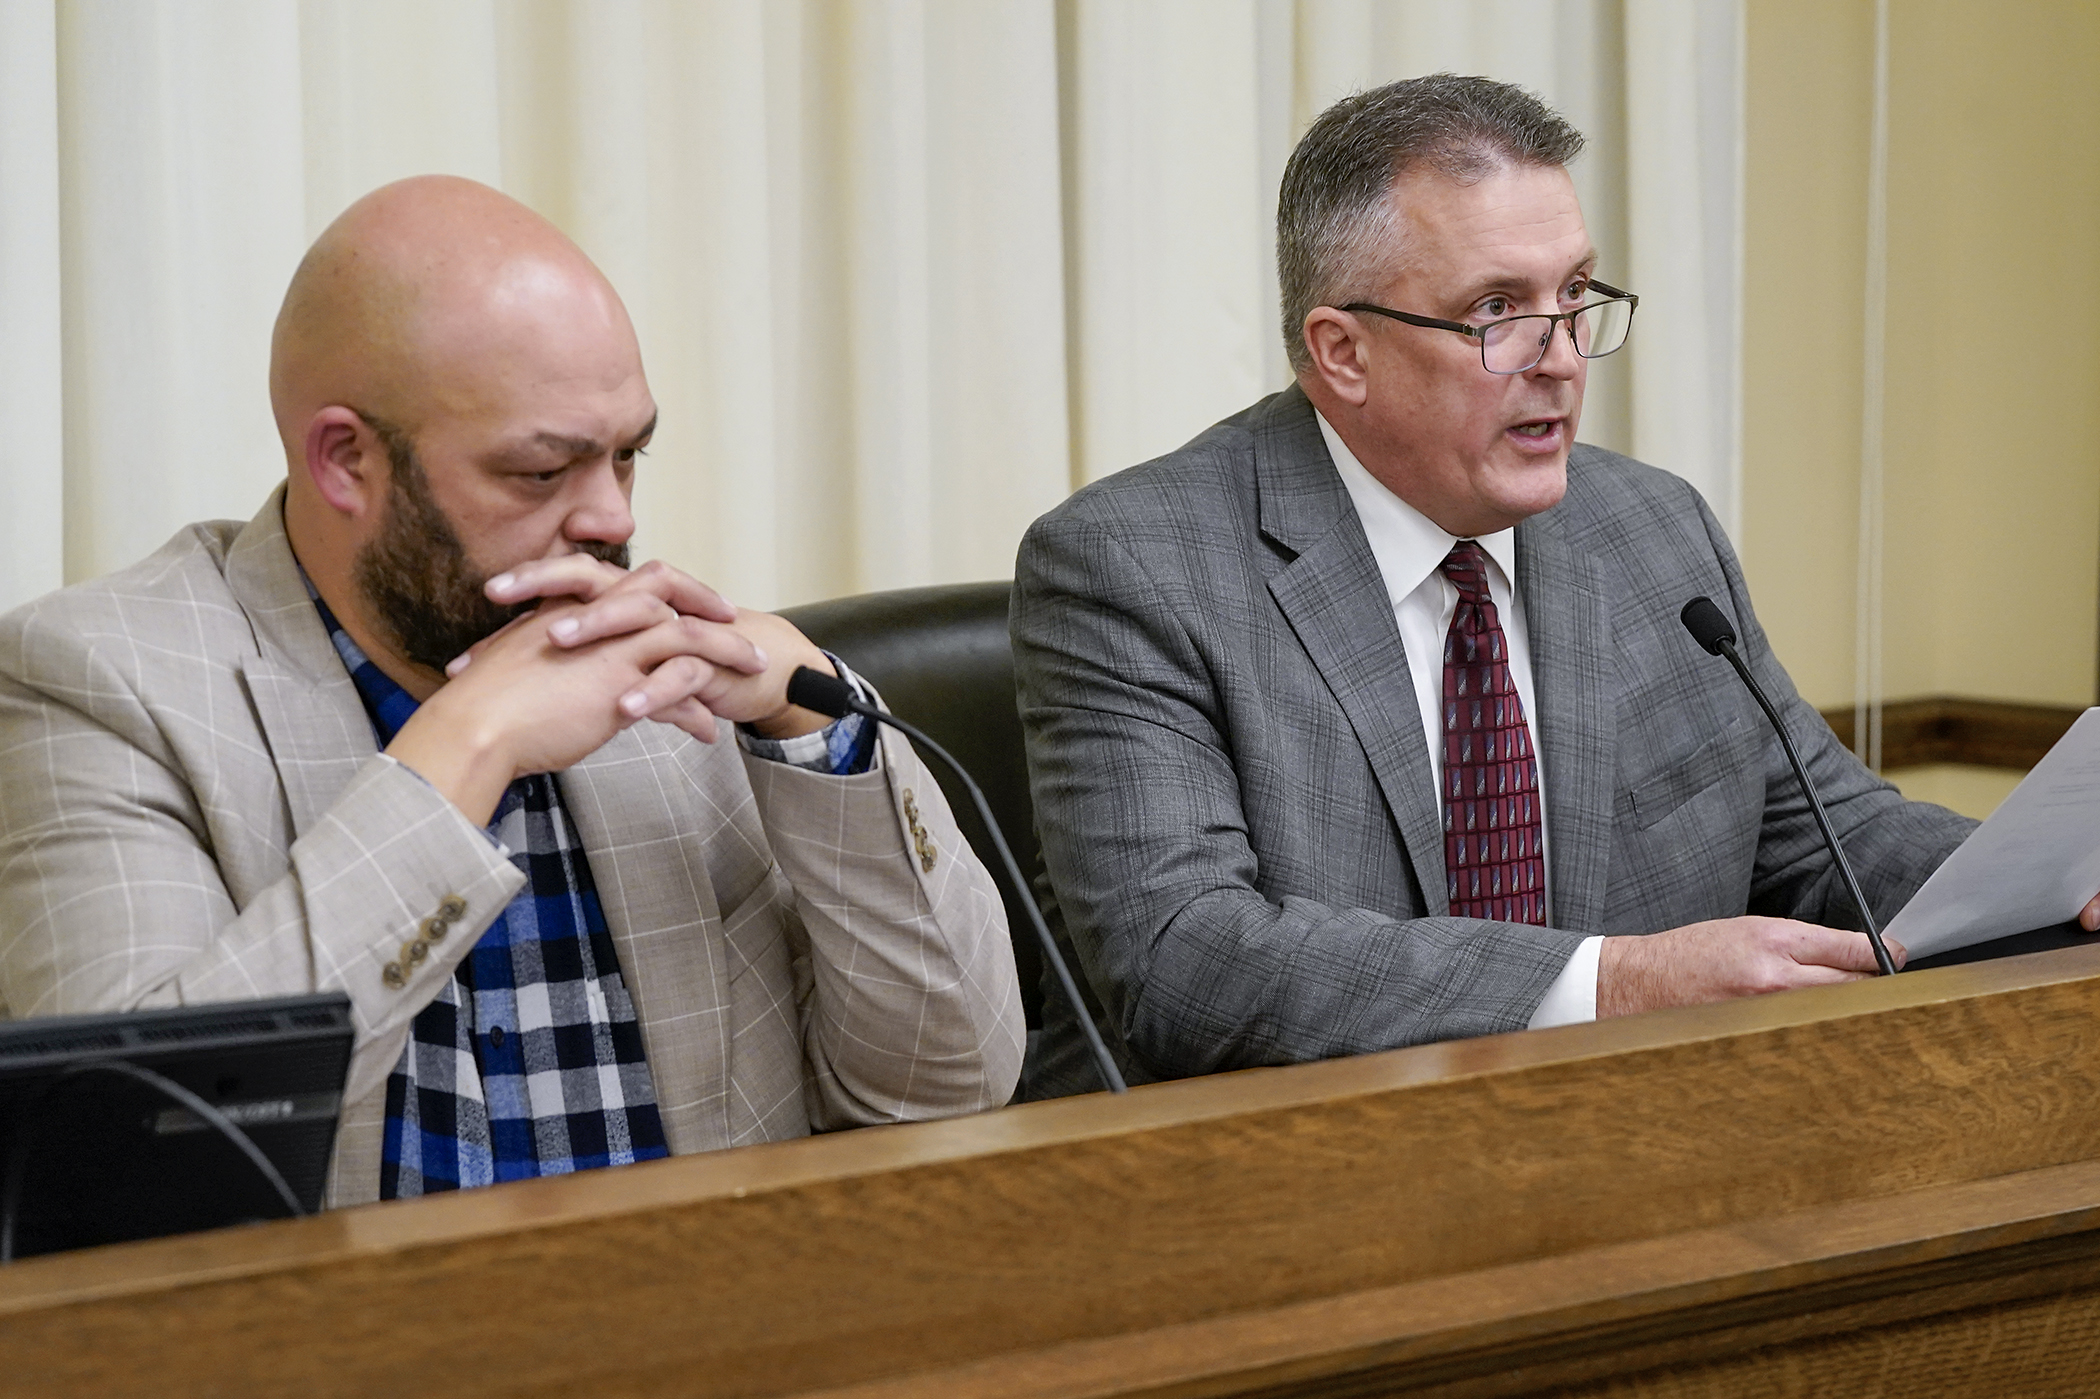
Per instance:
{"type": "Point", "coordinates": [192, 808]}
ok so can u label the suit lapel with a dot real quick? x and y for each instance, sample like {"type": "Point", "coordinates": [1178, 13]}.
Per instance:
{"type": "Point", "coordinates": [644, 834]}
{"type": "Point", "coordinates": [1568, 619]}
{"type": "Point", "coordinates": [315, 760]}
{"type": "Point", "coordinates": [1335, 601]}
{"type": "Point", "coordinates": [306, 703]}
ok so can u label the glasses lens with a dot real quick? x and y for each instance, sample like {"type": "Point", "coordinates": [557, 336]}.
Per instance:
{"type": "Point", "coordinates": [1602, 328]}
{"type": "Point", "coordinates": [1514, 345]}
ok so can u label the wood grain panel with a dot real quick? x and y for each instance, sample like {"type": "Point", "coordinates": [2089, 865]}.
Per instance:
{"type": "Point", "coordinates": [1944, 729]}
{"type": "Point", "coordinates": [886, 1255]}
{"type": "Point", "coordinates": [1548, 1324]}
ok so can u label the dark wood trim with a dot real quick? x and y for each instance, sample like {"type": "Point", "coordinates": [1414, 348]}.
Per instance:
{"type": "Point", "coordinates": [1946, 729]}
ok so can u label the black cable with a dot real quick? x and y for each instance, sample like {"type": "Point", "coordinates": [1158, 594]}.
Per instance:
{"type": "Point", "coordinates": [1710, 627]}
{"type": "Point", "coordinates": [18, 1156]}
{"type": "Point", "coordinates": [1103, 1060]}
{"type": "Point", "coordinates": [1815, 804]}
{"type": "Point", "coordinates": [827, 694]}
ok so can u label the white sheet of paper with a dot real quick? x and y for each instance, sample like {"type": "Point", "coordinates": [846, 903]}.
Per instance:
{"type": "Point", "coordinates": [2034, 863]}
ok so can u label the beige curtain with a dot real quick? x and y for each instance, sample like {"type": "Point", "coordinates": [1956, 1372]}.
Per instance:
{"type": "Point", "coordinates": [905, 271]}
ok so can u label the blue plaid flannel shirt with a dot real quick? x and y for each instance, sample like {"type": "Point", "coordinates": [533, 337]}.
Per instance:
{"type": "Point", "coordinates": [529, 1062]}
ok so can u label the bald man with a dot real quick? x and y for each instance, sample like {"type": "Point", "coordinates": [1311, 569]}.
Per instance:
{"type": "Point", "coordinates": [416, 733]}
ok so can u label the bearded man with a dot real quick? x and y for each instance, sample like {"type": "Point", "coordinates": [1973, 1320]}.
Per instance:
{"type": "Point", "coordinates": [389, 738]}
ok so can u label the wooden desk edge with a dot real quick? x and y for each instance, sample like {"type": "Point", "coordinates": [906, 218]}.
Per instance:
{"type": "Point", "coordinates": [374, 1230]}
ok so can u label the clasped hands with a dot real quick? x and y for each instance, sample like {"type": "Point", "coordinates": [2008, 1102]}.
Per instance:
{"type": "Point", "coordinates": [604, 649]}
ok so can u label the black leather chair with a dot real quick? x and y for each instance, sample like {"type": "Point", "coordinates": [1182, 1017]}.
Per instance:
{"type": "Point", "coordinates": [942, 660]}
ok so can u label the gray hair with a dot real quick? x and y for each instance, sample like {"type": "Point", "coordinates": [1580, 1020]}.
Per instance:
{"type": "Point", "coordinates": [1333, 220]}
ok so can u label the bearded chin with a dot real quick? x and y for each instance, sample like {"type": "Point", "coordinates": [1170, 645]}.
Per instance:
{"type": "Point", "coordinates": [420, 586]}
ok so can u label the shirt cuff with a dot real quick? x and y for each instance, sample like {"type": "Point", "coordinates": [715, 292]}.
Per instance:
{"type": "Point", "coordinates": [1572, 998]}
{"type": "Point", "coordinates": [842, 748]}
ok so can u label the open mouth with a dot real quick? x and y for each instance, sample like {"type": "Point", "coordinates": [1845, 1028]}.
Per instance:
{"type": "Point", "coordinates": [1537, 430]}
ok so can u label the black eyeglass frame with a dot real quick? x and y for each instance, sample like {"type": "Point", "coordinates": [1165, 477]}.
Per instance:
{"type": "Point", "coordinates": [1480, 332]}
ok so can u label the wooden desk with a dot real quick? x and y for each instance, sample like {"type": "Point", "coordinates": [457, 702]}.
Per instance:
{"type": "Point", "coordinates": [1889, 1188]}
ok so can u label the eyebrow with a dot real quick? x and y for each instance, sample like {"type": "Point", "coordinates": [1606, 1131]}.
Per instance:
{"type": "Point", "coordinates": [1494, 280]}
{"type": "Point", "coordinates": [573, 447]}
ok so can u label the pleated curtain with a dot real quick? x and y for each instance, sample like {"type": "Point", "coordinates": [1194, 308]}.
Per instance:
{"type": "Point", "coordinates": [905, 272]}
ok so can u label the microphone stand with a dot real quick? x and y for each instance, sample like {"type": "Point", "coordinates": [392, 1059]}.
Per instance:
{"type": "Point", "coordinates": [1709, 626]}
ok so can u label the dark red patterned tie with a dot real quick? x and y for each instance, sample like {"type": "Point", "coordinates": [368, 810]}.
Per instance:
{"type": "Point", "coordinates": [1494, 848]}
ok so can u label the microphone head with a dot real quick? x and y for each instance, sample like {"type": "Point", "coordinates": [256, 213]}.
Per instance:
{"type": "Point", "coordinates": [1708, 624]}
{"type": "Point", "coordinates": [819, 693]}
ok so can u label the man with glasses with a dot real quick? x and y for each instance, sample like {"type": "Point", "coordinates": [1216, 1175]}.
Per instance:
{"type": "Point", "coordinates": [1365, 719]}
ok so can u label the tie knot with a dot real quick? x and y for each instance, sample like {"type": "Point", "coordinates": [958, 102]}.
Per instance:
{"type": "Point", "coordinates": [1466, 567]}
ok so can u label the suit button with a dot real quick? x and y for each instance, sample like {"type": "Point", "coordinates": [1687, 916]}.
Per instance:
{"type": "Point", "coordinates": [452, 908]}
{"type": "Point", "coordinates": [393, 976]}
{"type": "Point", "coordinates": [911, 809]}
{"type": "Point", "coordinates": [434, 929]}
{"type": "Point", "coordinates": [414, 952]}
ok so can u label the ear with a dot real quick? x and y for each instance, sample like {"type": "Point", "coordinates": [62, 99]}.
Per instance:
{"type": "Point", "coordinates": [1336, 341]}
{"type": "Point", "coordinates": [346, 462]}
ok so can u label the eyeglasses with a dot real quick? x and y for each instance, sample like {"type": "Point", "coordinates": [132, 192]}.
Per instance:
{"type": "Point", "coordinates": [1515, 344]}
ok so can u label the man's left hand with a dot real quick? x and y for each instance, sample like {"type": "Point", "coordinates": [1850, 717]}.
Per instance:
{"type": "Point", "coordinates": [618, 602]}
{"type": "Point", "coordinates": [2089, 916]}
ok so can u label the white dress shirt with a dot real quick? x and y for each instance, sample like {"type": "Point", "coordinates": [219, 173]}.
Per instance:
{"type": "Point", "coordinates": [1409, 548]}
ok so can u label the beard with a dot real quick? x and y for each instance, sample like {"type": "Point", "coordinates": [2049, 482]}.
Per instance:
{"type": "Point", "coordinates": [418, 583]}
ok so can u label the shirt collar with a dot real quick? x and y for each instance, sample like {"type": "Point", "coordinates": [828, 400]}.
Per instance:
{"type": "Point", "coordinates": [1407, 544]}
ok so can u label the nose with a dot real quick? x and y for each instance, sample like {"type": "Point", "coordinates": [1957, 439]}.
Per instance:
{"type": "Point", "coordinates": [601, 513]}
{"type": "Point", "coordinates": [1560, 360]}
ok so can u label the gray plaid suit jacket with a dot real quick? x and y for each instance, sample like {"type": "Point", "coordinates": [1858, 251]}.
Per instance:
{"type": "Point", "coordinates": [1236, 804]}
{"type": "Point", "coordinates": [192, 809]}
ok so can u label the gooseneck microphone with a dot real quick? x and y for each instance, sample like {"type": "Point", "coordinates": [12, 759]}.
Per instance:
{"type": "Point", "coordinates": [1711, 628]}
{"type": "Point", "coordinates": [829, 695]}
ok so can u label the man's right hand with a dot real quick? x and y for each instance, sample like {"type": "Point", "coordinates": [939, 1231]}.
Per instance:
{"type": "Point", "coordinates": [529, 705]}
{"type": "Point", "coordinates": [1726, 959]}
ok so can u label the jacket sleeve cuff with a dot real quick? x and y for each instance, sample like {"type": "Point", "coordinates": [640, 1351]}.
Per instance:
{"type": "Point", "coordinates": [397, 886]}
